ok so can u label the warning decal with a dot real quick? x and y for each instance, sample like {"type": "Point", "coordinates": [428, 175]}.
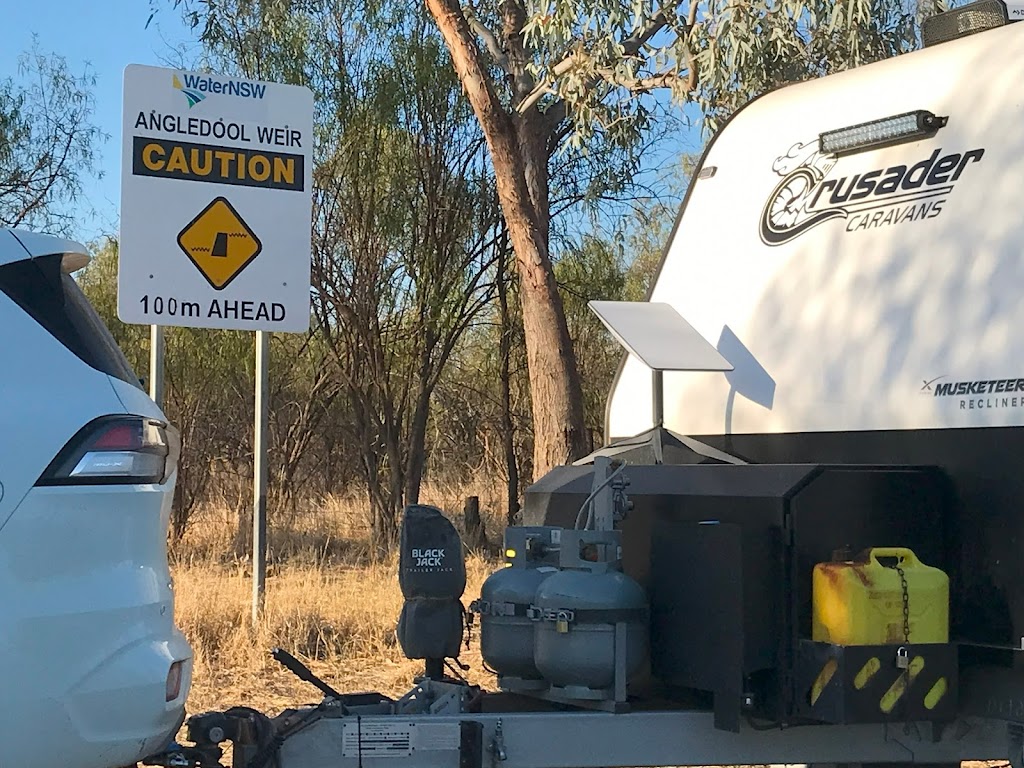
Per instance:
{"type": "Point", "coordinates": [377, 740]}
{"type": "Point", "coordinates": [219, 243]}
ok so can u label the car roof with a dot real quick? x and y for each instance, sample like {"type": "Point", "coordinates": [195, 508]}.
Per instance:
{"type": "Point", "coordinates": [21, 244]}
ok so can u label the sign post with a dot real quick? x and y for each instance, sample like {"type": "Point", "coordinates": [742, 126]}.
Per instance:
{"type": "Point", "coordinates": [216, 202]}
{"type": "Point", "coordinates": [259, 509]}
{"type": "Point", "coordinates": [156, 364]}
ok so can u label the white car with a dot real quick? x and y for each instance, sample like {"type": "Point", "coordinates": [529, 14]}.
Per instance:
{"type": "Point", "coordinates": [93, 671]}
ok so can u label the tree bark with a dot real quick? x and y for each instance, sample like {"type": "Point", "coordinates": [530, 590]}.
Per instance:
{"type": "Point", "coordinates": [555, 389]}
{"type": "Point", "coordinates": [417, 445]}
{"type": "Point", "coordinates": [476, 533]}
{"type": "Point", "coordinates": [507, 425]}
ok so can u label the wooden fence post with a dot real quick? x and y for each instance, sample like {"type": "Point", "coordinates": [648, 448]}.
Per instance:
{"type": "Point", "coordinates": [476, 535]}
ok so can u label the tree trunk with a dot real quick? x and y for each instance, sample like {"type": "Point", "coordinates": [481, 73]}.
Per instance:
{"type": "Point", "coordinates": [476, 534]}
{"type": "Point", "coordinates": [559, 434]}
{"type": "Point", "coordinates": [391, 511]}
{"type": "Point", "coordinates": [417, 441]}
{"type": "Point", "coordinates": [417, 449]}
{"type": "Point", "coordinates": [507, 425]}
{"type": "Point", "coordinates": [555, 390]}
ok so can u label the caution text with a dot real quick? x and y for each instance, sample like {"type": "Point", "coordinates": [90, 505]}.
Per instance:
{"type": "Point", "coordinates": [221, 165]}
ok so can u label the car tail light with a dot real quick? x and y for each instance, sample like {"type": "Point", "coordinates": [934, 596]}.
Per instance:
{"type": "Point", "coordinates": [116, 450]}
{"type": "Point", "coordinates": [174, 676]}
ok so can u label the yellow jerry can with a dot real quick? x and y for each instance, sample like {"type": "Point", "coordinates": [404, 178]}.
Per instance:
{"type": "Point", "coordinates": [861, 602]}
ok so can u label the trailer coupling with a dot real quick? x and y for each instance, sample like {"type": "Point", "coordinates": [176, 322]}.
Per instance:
{"type": "Point", "coordinates": [241, 726]}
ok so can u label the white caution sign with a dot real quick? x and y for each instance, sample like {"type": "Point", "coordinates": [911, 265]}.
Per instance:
{"type": "Point", "coordinates": [216, 201]}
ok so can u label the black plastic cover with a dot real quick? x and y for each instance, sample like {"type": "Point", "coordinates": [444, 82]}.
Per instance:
{"type": "Point", "coordinates": [430, 628]}
{"type": "Point", "coordinates": [432, 564]}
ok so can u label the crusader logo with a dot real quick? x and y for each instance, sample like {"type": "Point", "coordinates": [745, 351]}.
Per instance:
{"type": "Point", "coordinates": [812, 191]}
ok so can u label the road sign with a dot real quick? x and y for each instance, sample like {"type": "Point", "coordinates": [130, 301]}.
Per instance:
{"type": "Point", "coordinates": [219, 243]}
{"type": "Point", "coordinates": [216, 201]}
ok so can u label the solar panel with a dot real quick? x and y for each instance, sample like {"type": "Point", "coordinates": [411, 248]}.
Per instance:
{"type": "Point", "coordinates": [658, 336]}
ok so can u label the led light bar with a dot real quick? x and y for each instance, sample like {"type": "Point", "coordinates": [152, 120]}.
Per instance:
{"type": "Point", "coordinates": [880, 133]}
{"type": "Point", "coordinates": [966, 20]}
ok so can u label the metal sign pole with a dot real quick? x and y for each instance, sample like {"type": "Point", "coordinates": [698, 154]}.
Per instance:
{"type": "Point", "coordinates": [259, 512]}
{"type": "Point", "coordinates": [156, 364]}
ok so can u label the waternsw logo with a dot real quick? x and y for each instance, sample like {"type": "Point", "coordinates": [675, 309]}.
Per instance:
{"type": "Point", "coordinates": [810, 194]}
{"type": "Point", "coordinates": [196, 88]}
{"type": "Point", "coordinates": [193, 96]}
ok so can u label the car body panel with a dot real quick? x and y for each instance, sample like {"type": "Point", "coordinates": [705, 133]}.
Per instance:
{"type": "Point", "coordinates": [135, 400]}
{"type": "Point", "coordinates": [44, 392]}
{"type": "Point", "coordinates": [87, 633]}
{"type": "Point", "coordinates": [104, 580]}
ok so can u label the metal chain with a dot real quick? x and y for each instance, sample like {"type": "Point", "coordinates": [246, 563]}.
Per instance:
{"type": "Point", "coordinates": [906, 638]}
{"type": "Point", "coordinates": [906, 604]}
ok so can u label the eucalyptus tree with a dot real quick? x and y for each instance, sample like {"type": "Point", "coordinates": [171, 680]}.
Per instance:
{"type": "Point", "coordinates": [405, 218]}
{"type": "Point", "coordinates": [550, 75]}
{"type": "Point", "coordinates": [48, 143]}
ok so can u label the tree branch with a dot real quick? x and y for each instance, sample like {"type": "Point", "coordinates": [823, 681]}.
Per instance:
{"type": "Point", "coordinates": [632, 44]}
{"type": "Point", "coordinates": [57, 169]}
{"type": "Point", "coordinates": [653, 82]}
{"type": "Point", "coordinates": [546, 87]}
{"type": "Point", "coordinates": [490, 42]}
{"type": "Point", "coordinates": [631, 47]}
{"type": "Point", "coordinates": [514, 20]}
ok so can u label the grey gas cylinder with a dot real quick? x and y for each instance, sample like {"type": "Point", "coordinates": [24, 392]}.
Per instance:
{"type": "Point", "coordinates": [574, 640]}
{"type": "Point", "coordinates": [506, 632]}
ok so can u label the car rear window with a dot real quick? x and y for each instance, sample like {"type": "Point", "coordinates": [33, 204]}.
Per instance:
{"type": "Point", "coordinates": [53, 299]}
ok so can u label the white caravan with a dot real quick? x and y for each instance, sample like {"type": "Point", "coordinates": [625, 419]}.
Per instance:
{"type": "Point", "coordinates": [854, 247]}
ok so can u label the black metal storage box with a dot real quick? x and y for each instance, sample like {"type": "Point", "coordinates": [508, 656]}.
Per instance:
{"type": "Point", "coordinates": [726, 553]}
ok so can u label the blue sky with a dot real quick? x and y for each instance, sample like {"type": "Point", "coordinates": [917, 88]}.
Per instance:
{"type": "Point", "coordinates": [106, 36]}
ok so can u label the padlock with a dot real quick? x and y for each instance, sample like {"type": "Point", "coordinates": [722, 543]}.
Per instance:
{"type": "Point", "coordinates": [561, 626]}
{"type": "Point", "coordinates": [902, 658]}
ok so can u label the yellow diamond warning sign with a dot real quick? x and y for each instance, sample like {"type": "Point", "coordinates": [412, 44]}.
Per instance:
{"type": "Point", "coordinates": [219, 243]}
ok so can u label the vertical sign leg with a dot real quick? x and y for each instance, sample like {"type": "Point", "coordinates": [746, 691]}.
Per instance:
{"type": "Point", "coordinates": [259, 512]}
{"type": "Point", "coordinates": [156, 364]}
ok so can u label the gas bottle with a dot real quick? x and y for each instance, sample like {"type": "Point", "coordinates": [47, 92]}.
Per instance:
{"type": "Point", "coordinates": [863, 601]}
{"type": "Point", "coordinates": [506, 631]}
{"type": "Point", "coordinates": [576, 612]}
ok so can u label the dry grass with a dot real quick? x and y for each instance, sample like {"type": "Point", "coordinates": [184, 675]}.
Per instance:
{"type": "Point", "coordinates": [325, 603]}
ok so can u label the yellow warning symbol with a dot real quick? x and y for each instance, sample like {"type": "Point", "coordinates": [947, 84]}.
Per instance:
{"type": "Point", "coordinates": [219, 243]}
